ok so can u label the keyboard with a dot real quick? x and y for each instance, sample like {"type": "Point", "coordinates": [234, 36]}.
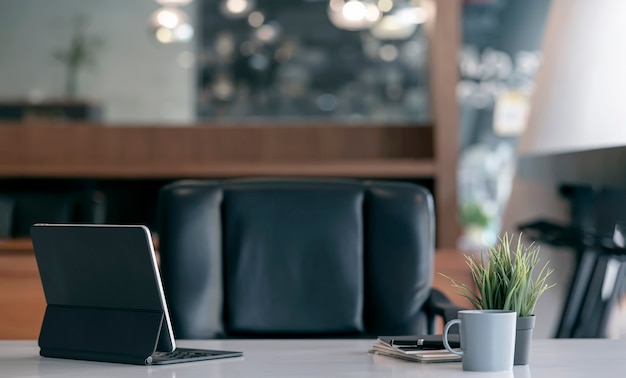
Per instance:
{"type": "Point", "coordinates": [187, 355]}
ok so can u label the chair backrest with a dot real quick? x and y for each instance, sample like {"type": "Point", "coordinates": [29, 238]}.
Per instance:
{"type": "Point", "coordinates": [310, 257]}
{"type": "Point", "coordinates": [19, 209]}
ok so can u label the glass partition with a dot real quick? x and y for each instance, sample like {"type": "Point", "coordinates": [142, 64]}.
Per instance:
{"type": "Point", "coordinates": [354, 60]}
{"type": "Point", "coordinates": [188, 61]}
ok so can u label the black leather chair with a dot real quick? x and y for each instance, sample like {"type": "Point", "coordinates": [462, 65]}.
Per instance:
{"type": "Point", "coordinates": [298, 258]}
{"type": "Point", "coordinates": [19, 209]}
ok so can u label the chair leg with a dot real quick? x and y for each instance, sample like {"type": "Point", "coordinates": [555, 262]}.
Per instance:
{"type": "Point", "coordinates": [600, 297]}
{"type": "Point", "coordinates": [579, 282]}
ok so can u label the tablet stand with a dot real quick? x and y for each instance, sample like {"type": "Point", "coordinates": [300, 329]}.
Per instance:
{"type": "Point", "coordinates": [100, 334]}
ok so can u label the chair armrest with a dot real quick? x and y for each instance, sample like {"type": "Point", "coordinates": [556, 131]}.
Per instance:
{"type": "Point", "coordinates": [438, 304]}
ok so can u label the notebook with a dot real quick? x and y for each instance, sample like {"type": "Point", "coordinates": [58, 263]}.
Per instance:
{"type": "Point", "coordinates": [426, 348]}
{"type": "Point", "coordinates": [417, 355]}
{"type": "Point", "coordinates": [104, 296]}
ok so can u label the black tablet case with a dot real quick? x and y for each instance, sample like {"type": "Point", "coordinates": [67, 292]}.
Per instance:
{"type": "Point", "coordinates": [103, 302]}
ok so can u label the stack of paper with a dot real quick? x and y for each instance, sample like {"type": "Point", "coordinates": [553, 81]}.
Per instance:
{"type": "Point", "coordinates": [417, 352]}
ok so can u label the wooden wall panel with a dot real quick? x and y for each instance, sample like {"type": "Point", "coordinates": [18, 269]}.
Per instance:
{"type": "Point", "coordinates": [22, 302]}
{"type": "Point", "coordinates": [87, 150]}
{"type": "Point", "coordinates": [444, 32]}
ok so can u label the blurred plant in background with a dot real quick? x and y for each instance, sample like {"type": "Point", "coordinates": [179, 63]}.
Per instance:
{"type": "Point", "coordinates": [80, 53]}
{"type": "Point", "coordinates": [493, 94]}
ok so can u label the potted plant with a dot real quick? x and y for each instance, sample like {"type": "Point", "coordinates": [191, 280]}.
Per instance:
{"type": "Point", "coordinates": [506, 278]}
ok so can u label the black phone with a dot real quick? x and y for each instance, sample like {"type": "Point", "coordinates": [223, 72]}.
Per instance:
{"type": "Point", "coordinates": [423, 342]}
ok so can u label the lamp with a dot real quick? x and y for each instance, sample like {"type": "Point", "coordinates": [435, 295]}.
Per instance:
{"type": "Point", "coordinates": [353, 14]}
{"type": "Point", "coordinates": [171, 24]}
{"type": "Point", "coordinates": [577, 126]}
{"type": "Point", "coordinates": [576, 139]}
{"type": "Point", "coordinates": [386, 19]}
{"type": "Point", "coordinates": [235, 9]}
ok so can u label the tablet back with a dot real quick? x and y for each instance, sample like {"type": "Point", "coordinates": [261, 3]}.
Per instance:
{"type": "Point", "coordinates": [103, 291]}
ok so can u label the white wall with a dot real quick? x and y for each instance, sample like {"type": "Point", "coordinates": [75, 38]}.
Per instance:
{"type": "Point", "coordinates": [136, 79]}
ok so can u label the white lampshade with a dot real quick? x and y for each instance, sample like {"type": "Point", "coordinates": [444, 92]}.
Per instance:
{"type": "Point", "coordinates": [576, 130]}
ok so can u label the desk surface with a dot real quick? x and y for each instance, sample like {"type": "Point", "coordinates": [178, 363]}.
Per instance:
{"type": "Point", "coordinates": [322, 358]}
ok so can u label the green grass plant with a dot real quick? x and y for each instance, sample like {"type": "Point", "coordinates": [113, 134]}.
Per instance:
{"type": "Point", "coordinates": [504, 277]}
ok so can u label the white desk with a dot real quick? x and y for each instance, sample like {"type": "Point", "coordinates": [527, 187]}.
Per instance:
{"type": "Point", "coordinates": [322, 358]}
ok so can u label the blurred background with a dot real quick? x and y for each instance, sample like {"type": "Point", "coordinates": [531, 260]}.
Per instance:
{"type": "Point", "coordinates": [272, 62]}
{"type": "Point", "coordinates": [469, 98]}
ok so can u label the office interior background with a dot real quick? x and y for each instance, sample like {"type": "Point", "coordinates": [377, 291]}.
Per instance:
{"type": "Point", "coordinates": [382, 93]}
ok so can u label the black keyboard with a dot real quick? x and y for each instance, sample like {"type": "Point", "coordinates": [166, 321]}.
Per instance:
{"type": "Point", "coordinates": [187, 355]}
